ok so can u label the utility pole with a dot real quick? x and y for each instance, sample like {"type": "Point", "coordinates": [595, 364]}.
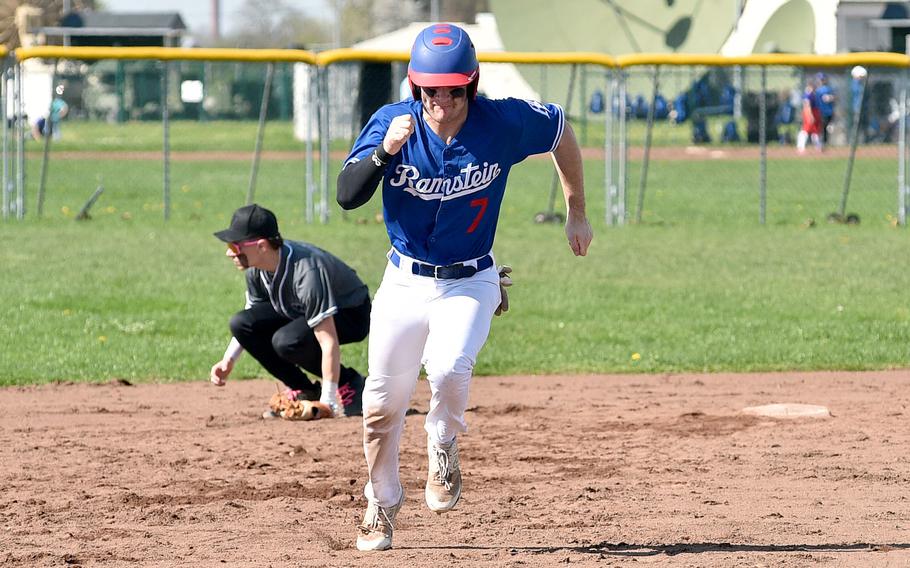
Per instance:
{"type": "Point", "coordinates": [336, 32]}
{"type": "Point", "coordinates": [738, 70]}
{"type": "Point", "coordinates": [67, 7]}
{"type": "Point", "coordinates": [216, 20]}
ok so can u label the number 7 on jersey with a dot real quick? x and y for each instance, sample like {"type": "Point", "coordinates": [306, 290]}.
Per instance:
{"type": "Point", "coordinates": [482, 204]}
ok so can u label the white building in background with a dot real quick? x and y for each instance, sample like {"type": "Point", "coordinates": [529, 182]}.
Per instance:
{"type": "Point", "coordinates": [863, 25]}
{"type": "Point", "coordinates": [833, 26]}
{"type": "Point", "coordinates": [497, 80]}
{"type": "Point", "coordinates": [37, 75]}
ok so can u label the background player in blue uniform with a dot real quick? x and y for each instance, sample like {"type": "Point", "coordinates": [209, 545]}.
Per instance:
{"type": "Point", "coordinates": [826, 101]}
{"type": "Point", "coordinates": [443, 160]}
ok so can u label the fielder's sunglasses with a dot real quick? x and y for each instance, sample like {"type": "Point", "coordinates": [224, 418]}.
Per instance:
{"type": "Point", "coordinates": [456, 92]}
{"type": "Point", "coordinates": [235, 247]}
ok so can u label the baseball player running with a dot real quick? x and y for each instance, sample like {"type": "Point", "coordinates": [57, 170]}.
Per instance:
{"type": "Point", "coordinates": [302, 305]}
{"type": "Point", "coordinates": [443, 159]}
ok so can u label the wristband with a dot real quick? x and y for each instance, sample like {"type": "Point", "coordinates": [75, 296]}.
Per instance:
{"type": "Point", "coordinates": [234, 349]}
{"type": "Point", "coordinates": [380, 157]}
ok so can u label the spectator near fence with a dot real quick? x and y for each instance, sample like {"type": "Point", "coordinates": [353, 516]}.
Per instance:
{"type": "Point", "coordinates": [826, 101]}
{"type": "Point", "coordinates": [44, 125]}
{"type": "Point", "coordinates": [812, 120]}
{"type": "Point", "coordinates": [784, 118]}
{"type": "Point", "coordinates": [597, 102]}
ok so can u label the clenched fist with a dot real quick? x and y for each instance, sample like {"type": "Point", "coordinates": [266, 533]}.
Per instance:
{"type": "Point", "coordinates": [399, 131]}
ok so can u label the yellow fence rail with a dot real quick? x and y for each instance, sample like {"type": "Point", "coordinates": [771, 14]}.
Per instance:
{"type": "Point", "coordinates": [326, 58]}
{"type": "Point", "coordinates": [167, 54]}
{"type": "Point", "coordinates": [877, 59]}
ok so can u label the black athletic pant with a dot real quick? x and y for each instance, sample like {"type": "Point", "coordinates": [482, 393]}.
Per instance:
{"type": "Point", "coordinates": [282, 346]}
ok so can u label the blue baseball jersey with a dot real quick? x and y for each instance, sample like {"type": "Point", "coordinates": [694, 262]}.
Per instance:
{"type": "Point", "coordinates": [812, 97]}
{"type": "Point", "coordinates": [825, 95]}
{"type": "Point", "coordinates": [441, 202]}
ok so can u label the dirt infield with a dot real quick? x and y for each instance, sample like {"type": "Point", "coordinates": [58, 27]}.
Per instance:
{"type": "Point", "coordinates": [595, 470]}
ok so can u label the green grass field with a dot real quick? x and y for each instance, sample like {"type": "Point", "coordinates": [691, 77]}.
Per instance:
{"type": "Point", "coordinates": [699, 285]}
{"type": "Point", "coordinates": [240, 136]}
{"type": "Point", "coordinates": [184, 136]}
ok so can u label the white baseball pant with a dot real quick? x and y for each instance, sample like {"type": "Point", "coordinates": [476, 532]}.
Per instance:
{"type": "Point", "coordinates": [416, 320]}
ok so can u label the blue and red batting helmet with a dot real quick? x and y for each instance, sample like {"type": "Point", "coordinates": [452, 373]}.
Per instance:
{"type": "Point", "coordinates": [443, 56]}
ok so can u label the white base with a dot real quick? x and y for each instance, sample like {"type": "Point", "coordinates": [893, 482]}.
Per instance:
{"type": "Point", "coordinates": [789, 410]}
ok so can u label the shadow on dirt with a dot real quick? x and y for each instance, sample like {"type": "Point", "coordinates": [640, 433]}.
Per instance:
{"type": "Point", "coordinates": [624, 549]}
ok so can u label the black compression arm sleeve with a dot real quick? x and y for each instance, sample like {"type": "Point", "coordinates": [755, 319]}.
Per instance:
{"type": "Point", "coordinates": [357, 181]}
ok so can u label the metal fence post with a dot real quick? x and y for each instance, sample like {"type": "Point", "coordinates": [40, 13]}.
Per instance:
{"type": "Point", "coordinates": [324, 135]}
{"type": "Point", "coordinates": [310, 116]}
{"type": "Point", "coordinates": [20, 146]}
{"type": "Point", "coordinates": [649, 129]}
{"type": "Point", "coordinates": [48, 134]}
{"type": "Point", "coordinates": [543, 82]}
{"type": "Point", "coordinates": [854, 140]}
{"type": "Point", "coordinates": [4, 103]}
{"type": "Point", "coordinates": [584, 106]}
{"type": "Point", "coordinates": [355, 94]}
{"type": "Point", "coordinates": [738, 88]}
{"type": "Point", "coordinates": [763, 148]}
{"type": "Point", "coordinates": [550, 214]}
{"type": "Point", "coordinates": [906, 153]}
{"type": "Point", "coordinates": [623, 150]}
{"type": "Point", "coordinates": [120, 87]}
{"type": "Point", "coordinates": [609, 186]}
{"type": "Point", "coordinates": [165, 121]}
{"type": "Point", "coordinates": [260, 130]}
{"type": "Point", "coordinates": [902, 153]}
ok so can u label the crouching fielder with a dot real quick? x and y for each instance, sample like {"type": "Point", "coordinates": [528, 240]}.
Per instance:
{"type": "Point", "coordinates": [443, 159]}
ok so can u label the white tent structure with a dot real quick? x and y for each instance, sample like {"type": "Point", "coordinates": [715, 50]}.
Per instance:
{"type": "Point", "coordinates": [497, 80]}
{"type": "Point", "coordinates": [756, 15]}
{"type": "Point", "coordinates": [834, 26]}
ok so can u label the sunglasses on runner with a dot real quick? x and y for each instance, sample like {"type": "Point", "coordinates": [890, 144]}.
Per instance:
{"type": "Point", "coordinates": [455, 92]}
{"type": "Point", "coordinates": [235, 247]}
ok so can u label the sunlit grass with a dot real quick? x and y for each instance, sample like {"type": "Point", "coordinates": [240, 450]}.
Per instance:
{"type": "Point", "coordinates": [699, 285]}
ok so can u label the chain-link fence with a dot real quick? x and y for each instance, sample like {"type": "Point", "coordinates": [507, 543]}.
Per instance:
{"type": "Point", "coordinates": [152, 124]}
{"type": "Point", "coordinates": [667, 139]}
{"type": "Point", "coordinates": [785, 143]}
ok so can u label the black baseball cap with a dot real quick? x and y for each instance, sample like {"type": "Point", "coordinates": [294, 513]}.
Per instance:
{"type": "Point", "coordinates": [250, 222]}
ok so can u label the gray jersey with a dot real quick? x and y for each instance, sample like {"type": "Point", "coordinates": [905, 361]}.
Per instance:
{"type": "Point", "coordinates": [309, 283]}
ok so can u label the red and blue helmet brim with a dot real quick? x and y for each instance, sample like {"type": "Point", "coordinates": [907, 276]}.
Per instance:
{"type": "Point", "coordinates": [441, 79]}
{"type": "Point", "coordinates": [443, 56]}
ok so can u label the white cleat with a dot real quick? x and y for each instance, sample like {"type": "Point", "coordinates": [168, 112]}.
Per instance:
{"type": "Point", "coordinates": [444, 478]}
{"type": "Point", "coordinates": [378, 525]}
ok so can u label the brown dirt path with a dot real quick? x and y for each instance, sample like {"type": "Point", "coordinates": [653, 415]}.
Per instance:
{"type": "Point", "coordinates": [595, 470]}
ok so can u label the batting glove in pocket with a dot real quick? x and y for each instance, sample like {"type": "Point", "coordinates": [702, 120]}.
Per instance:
{"type": "Point", "coordinates": [504, 282]}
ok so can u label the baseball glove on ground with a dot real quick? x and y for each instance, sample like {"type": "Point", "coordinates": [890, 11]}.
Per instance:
{"type": "Point", "coordinates": [298, 409]}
